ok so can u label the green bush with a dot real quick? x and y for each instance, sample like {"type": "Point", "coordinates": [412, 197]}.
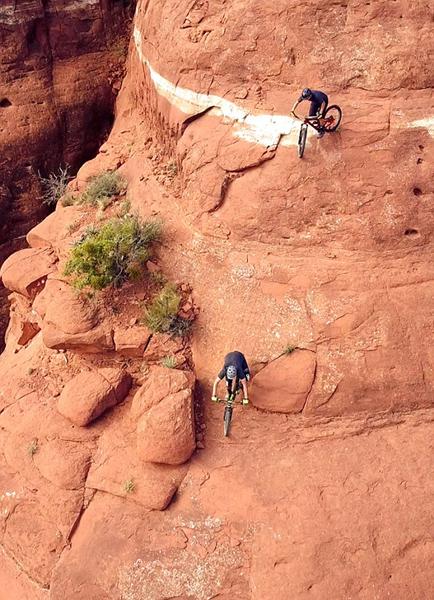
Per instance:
{"type": "Point", "coordinates": [54, 185]}
{"type": "Point", "coordinates": [102, 188]}
{"type": "Point", "coordinates": [163, 310]}
{"type": "Point", "coordinates": [180, 326]}
{"type": "Point", "coordinates": [129, 486]}
{"type": "Point", "coordinates": [290, 349]}
{"type": "Point", "coordinates": [162, 314]}
{"type": "Point", "coordinates": [169, 362]}
{"type": "Point", "coordinates": [112, 254]}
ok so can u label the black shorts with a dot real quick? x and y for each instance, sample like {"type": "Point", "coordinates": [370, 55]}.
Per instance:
{"type": "Point", "coordinates": [314, 108]}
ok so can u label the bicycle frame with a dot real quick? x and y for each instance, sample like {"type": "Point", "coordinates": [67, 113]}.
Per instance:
{"type": "Point", "coordinates": [229, 402]}
{"type": "Point", "coordinates": [314, 122]}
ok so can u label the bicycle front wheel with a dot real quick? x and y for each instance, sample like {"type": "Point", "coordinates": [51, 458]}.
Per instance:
{"type": "Point", "coordinates": [302, 140]}
{"type": "Point", "coordinates": [227, 419]}
{"type": "Point", "coordinates": [332, 117]}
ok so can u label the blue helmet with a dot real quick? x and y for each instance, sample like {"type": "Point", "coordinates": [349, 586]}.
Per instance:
{"type": "Point", "coordinates": [306, 94]}
{"type": "Point", "coordinates": [231, 372]}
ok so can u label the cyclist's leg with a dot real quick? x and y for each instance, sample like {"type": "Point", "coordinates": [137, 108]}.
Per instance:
{"type": "Point", "coordinates": [314, 108]}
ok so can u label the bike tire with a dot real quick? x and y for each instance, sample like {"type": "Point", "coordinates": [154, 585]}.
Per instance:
{"type": "Point", "coordinates": [227, 419]}
{"type": "Point", "coordinates": [333, 111]}
{"type": "Point", "coordinates": [302, 140]}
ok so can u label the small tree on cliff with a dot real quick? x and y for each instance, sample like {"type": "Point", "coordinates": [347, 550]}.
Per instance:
{"type": "Point", "coordinates": [113, 253]}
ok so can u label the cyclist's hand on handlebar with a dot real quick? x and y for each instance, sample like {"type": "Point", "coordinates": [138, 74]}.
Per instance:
{"type": "Point", "coordinates": [214, 399]}
{"type": "Point", "coordinates": [245, 401]}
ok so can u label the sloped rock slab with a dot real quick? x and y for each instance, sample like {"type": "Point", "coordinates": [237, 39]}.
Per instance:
{"type": "Point", "coordinates": [68, 322]}
{"type": "Point", "coordinates": [284, 384]}
{"type": "Point", "coordinates": [89, 395]}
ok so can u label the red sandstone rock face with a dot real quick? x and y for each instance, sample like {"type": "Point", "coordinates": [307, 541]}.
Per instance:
{"type": "Point", "coordinates": [89, 395]}
{"type": "Point", "coordinates": [285, 384]}
{"type": "Point", "coordinates": [68, 321]}
{"type": "Point", "coordinates": [60, 70]}
{"type": "Point", "coordinates": [164, 408]}
{"type": "Point", "coordinates": [332, 255]}
{"type": "Point", "coordinates": [26, 271]}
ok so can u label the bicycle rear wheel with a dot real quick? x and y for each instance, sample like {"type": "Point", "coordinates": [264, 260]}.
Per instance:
{"type": "Point", "coordinates": [302, 140]}
{"type": "Point", "coordinates": [333, 116]}
{"type": "Point", "coordinates": [227, 419]}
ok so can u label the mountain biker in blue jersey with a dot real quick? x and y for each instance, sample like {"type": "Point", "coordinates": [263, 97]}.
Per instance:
{"type": "Point", "coordinates": [318, 104]}
{"type": "Point", "coordinates": [236, 372]}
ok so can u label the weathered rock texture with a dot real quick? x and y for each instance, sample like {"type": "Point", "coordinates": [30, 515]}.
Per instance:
{"type": "Point", "coordinates": [89, 395]}
{"type": "Point", "coordinates": [284, 385]}
{"type": "Point", "coordinates": [60, 70]}
{"type": "Point", "coordinates": [61, 66]}
{"type": "Point", "coordinates": [331, 255]}
{"type": "Point", "coordinates": [165, 429]}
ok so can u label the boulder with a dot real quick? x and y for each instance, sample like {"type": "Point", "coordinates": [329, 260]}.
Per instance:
{"type": "Point", "coordinates": [68, 322]}
{"type": "Point", "coordinates": [26, 271]}
{"type": "Point", "coordinates": [132, 341]}
{"type": "Point", "coordinates": [284, 384]}
{"type": "Point", "coordinates": [160, 383]}
{"type": "Point", "coordinates": [165, 433]}
{"type": "Point", "coordinates": [88, 395]}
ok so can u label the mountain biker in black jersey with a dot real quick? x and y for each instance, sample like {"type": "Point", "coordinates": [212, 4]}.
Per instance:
{"type": "Point", "coordinates": [318, 105]}
{"type": "Point", "coordinates": [236, 372]}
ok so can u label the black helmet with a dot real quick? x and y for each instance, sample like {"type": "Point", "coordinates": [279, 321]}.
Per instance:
{"type": "Point", "coordinates": [306, 94]}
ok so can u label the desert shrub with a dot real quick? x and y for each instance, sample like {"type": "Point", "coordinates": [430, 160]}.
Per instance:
{"type": "Point", "coordinates": [163, 310]}
{"type": "Point", "coordinates": [113, 253]}
{"type": "Point", "coordinates": [33, 447]}
{"type": "Point", "coordinates": [102, 188]}
{"type": "Point", "coordinates": [129, 486]}
{"type": "Point", "coordinates": [67, 200]}
{"type": "Point", "coordinates": [180, 326]}
{"type": "Point", "coordinates": [290, 349]}
{"type": "Point", "coordinates": [161, 316]}
{"type": "Point", "coordinates": [169, 362]}
{"type": "Point", "coordinates": [54, 185]}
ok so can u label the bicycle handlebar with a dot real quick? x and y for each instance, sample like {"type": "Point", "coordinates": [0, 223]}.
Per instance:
{"type": "Point", "coordinates": [234, 401]}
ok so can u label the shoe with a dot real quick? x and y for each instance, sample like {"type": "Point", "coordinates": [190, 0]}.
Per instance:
{"type": "Point", "coordinates": [320, 134]}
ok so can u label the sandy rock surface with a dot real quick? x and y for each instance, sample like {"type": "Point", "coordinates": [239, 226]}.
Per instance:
{"type": "Point", "coordinates": [89, 395]}
{"type": "Point", "coordinates": [68, 321]}
{"type": "Point", "coordinates": [26, 271]}
{"type": "Point", "coordinates": [165, 433]}
{"type": "Point", "coordinates": [284, 385]}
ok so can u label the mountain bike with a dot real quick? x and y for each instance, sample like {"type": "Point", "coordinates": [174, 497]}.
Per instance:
{"type": "Point", "coordinates": [327, 124]}
{"type": "Point", "coordinates": [229, 401]}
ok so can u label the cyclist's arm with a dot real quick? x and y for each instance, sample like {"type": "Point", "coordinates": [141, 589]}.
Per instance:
{"type": "Point", "coordinates": [321, 109]}
{"type": "Point", "coordinates": [215, 386]}
{"type": "Point", "coordinates": [295, 105]}
{"type": "Point", "coordinates": [244, 384]}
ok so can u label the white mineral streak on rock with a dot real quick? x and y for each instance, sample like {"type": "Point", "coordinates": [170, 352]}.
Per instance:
{"type": "Point", "coordinates": [263, 129]}
{"type": "Point", "coordinates": [427, 123]}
